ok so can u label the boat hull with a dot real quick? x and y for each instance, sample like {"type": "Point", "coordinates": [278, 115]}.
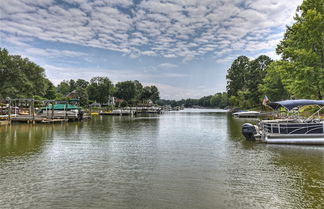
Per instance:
{"type": "Point", "coordinates": [302, 139]}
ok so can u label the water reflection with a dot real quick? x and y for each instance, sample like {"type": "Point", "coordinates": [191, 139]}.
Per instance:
{"type": "Point", "coordinates": [19, 140]}
{"type": "Point", "coordinates": [186, 159]}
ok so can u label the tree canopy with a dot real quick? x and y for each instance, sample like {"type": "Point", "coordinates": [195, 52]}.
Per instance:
{"type": "Point", "coordinates": [21, 78]}
{"type": "Point", "coordinates": [244, 78]}
{"type": "Point", "coordinates": [302, 51]}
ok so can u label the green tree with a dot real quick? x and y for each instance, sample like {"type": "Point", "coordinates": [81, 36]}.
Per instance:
{"type": "Point", "coordinates": [272, 84]}
{"type": "Point", "coordinates": [83, 96]}
{"type": "Point", "coordinates": [219, 100]}
{"type": "Point", "coordinates": [155, 94]}
{"type": "Point", "coordinates": [80, 83]}
{"type": "Point", "coordinates": [254, 78]}
{"type": "Point", "coordinates": [72, 85]}
{"type": "Point", "coordinates": [125, 90]}
{"type": "Point", "coordinates": [99, 89]}
{"type": "Point", "coordinates": [138, 89]}
{"type": "Point", "coordinates": [51, 92]}
{"type": "Point", "coordinates": [236, 75]}
{"type": "Point", "coordinates": [20, 78]}
{"type": "Point", "coordinates": [150, 93]}
{"type": "Point", "coordinates": [64, 88]}
{"type": "Point", "coordinates": [302, 52]}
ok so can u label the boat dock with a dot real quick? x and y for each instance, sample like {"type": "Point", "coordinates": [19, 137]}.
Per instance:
{"type": "Point", "coordinates": [133, 111]}
{"type": "Point", "coordinates": [40, 111]}
{"type": "Point", "coordinates": [37, 119]}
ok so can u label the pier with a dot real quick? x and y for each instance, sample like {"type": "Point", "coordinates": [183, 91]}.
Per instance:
{"type": "Point", "coordinates": [39, 111]}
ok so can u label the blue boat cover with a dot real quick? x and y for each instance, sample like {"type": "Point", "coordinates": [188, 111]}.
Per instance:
{"type": "Point", "coordinates": [290, 104]}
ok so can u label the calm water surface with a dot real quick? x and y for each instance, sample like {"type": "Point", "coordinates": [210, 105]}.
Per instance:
{"type": "Point", "coordinates": [187, 159]}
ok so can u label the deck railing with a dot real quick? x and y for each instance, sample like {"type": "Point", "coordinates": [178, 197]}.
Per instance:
{"type": "Point", "coordinates": [293, 128]}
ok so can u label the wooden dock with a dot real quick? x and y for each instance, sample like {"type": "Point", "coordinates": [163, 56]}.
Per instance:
{"type": "Point", "coordinates": [31, 119]}
{"type": "Point", "coordinates": [133, 111]}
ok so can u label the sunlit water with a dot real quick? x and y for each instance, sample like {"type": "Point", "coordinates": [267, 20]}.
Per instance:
{"type": "Point", "coordinates": [187, 159]}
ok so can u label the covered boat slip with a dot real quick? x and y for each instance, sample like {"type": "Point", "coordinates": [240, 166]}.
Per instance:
{"type": "Point", "coordinates": [293, 133]}
{"type": "Point", "coordinates": [298, 130]}
{"type": "Point", "coordinates": [293, 129]}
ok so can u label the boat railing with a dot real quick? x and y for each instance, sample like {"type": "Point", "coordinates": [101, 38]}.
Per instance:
{"type": "Point", "coordinates": [293, 128]}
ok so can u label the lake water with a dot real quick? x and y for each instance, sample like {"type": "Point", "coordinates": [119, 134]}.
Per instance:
{"type": "Point", "coordinates": [187, 159]}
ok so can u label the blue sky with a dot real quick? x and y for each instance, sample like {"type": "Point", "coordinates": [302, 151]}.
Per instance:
{"type": "Point", "coordinates": [182, 46]}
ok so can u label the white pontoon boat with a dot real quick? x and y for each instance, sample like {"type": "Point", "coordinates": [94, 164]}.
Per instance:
{"type": "Point", "coordinates": [291, 130]}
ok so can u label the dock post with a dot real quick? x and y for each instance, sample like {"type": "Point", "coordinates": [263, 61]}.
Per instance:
{"type": "Point", "coordinates": [9, 112]}
{"type": "Point", "coordinates": [33, 110]}
{"type": "Point", "coordinates": [52, 110]}
{"type": "Point", "coordinates": [65, 112]}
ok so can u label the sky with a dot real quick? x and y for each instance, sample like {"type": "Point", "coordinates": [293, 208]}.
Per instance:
{"type": "Point", "coordinates": [184, 47]}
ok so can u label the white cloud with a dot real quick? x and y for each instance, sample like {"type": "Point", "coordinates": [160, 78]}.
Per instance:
{"type": "Point", "coordinates": [167, 28]}
{"type": "Point", "coordinates": [167, 65]}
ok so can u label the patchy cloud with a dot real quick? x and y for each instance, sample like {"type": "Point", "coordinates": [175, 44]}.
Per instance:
{"type": "Point", "coordinates": [173, 43]}
{"type": "Point", "coordinates": [167, 65]}
{"type": "Point", "coordinates": [165, 28]}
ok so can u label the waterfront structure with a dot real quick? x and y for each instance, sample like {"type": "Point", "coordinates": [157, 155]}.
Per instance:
{"type": "Point", "coordinates": [293, 129]}
{"type": "Point", "coordinates": [246, 114]}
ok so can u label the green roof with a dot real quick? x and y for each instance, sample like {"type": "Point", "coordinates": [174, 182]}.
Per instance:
{"type": "Point", "coordinates": [62, 107]}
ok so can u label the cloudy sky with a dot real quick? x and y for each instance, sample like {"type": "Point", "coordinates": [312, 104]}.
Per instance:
{"type": "Point", "coordinates": [182, 46]}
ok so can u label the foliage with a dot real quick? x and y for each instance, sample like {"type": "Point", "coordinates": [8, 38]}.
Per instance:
{"type": "Point", "coordinates": [125, 90]}
{"type": "Point", "coordinates": [236, 75]}
{"type": "Point", "coordinates": [64, 88]}
{"type": "Point", "coordinates": [272, 85]}
{"type": "Point", "coordinates": [219, 100]}
{"type": "Point", "coordinates": [150, 93]}
{"type": "Point", "coordinates": [100, 89]}
{"type": "Point", "coordinates": [21, 78]}
{"type": "Point", "coordinates": [244, 78]}
{"type": "Point", "coordinates": [254, 77]}
{"type": "Point", "coordinates": [302, 51]}
{"type": "Point", "coordinates": [83, 96]}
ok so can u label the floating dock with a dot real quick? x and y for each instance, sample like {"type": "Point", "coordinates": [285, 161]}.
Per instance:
{"type": "Point", "coordinates": [31, 119]}
{"type": "Point", "coordinates": [133, 111]}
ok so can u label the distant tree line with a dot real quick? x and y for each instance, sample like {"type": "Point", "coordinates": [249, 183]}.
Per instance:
{"type": "Point", "coordinates": [21, 78]}
{"type": "Point", "coordinates": [101, 89]}
{"type": "Point", "coordinates": [298, 74]}
{"type": "Point", "coordinates": [219, 100]}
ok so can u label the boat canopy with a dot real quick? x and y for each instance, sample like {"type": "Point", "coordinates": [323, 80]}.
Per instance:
{"type": "Point", "coordinates": [290, 104]}
{"type": "Point", "coordinates": [62, 107]}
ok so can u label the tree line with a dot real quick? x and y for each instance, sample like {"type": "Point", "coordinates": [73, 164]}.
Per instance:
{"type": "Point", "coordinates": [21, 78]}
{"type": "Point", "coordinates": [219, 100]}
{"type": "Point", "coordinates": [298, 74]}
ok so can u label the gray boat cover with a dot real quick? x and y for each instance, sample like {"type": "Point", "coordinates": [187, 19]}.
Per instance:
{"type": "Point", "coordinates": [290, 104]}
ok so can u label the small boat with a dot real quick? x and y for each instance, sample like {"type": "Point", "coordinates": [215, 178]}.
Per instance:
{"type": "Point", "coordinates": [246, 114]}
{"type": "Point", "coordinates": [290, 130]}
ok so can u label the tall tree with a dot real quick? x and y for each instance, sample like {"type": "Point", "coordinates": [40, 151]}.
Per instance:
{"type": "Point", "coordinates": [64, 88]}
{"type": "Point", "coordinates": [302, 51]}
{"type": "Point", "coordinates": [138, 89]}
{"type": "Point", "coordinates": [51, 92]}
{"type": "Point", "coordinates": [155, 94]}
{"type": "Point", "coordinates": [125, 90]}
{"type": "Point", "coordinates": [99, 89]}
{"type": "Point", "coordinates": [150, 93]}
{"type": "Point", "coordinates": [21, 78]}
{"type": "Point", "coordinates": [80, 83]}
{"type": "Point", "coordinates": [272, 85]}
{"type": "Point", "coordinates": [236, 75]}
{"type": "Point", "coordinates": [254, 77]}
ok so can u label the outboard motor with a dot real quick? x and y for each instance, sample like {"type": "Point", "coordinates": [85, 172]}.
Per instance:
{"type": "Point", "coordinates": [248, 130]}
